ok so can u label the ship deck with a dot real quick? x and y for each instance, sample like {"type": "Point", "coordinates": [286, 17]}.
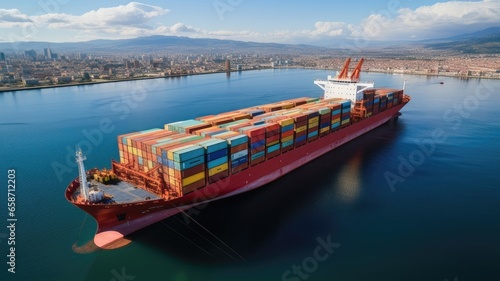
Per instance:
{"type": "Point", "coordinates": [124, 192]}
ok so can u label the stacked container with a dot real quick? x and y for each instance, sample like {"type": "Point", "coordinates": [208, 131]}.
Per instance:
{"type": "Point", "coordinates": [376, 104]}
{"type": "Point", "coordinates": [217, 158]}
{"type": "Point", "coordinates": [187, 126]}
{"type": "Point", "coordinates": [336, 117]}
{"type": "Point", "coordinates": [368, 98]}
{"type": "Point", "coordinates": [257, 143]}
{"type": "Point", "coordinates": [390, 100]}
{"type": "Point", "coordinates": [383, 103]}
{"type": "Point", "coordinates": [346, 113]}
{"type": "Point", "coordinates": [324, 121]}
{"type": "Point", "coordinates": [312, 125]}
{"type": "Point", "coordinates": [398, 97]}
{"type": "Point", "coordinates": [300, 129]}
{"type": "Point", "coordinates": [134, 151]}
{"type": "Point", "coordinates": [273, 144]}
{"type": "Point", "coordinates": [238, 151]}
{"type": "Point", "coordinates": [287, 134]}
{"type": "Point", "coordinates": [186, 165]}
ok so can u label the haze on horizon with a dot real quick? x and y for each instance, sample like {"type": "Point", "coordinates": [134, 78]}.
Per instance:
{"type": "Point", "coordinates": [315, 22]}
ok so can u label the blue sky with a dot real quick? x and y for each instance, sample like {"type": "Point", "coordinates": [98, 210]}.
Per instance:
{"type": "Point", "coordinates": [292, 21]}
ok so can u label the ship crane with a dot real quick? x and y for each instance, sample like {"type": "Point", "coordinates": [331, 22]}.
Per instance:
{"type": "Point", "coordinates": [94, 195]}
{"type": "Point", "coordinates": [357, 70]}
{"type": "Point", "coordinates": [345, 69]}
{"type": "Point", "coordinates": [345, 85]}
{"type": "Point", "coordinates": [82, 174]}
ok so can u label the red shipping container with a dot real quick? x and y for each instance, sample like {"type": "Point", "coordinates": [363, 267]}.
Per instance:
{"type": "Point", "coordinates": [286, 148]}
{"type": "Point", "coordinates": [218, 176]}
{"type": "Point", "coordinates": [312, 129]}
{"type": "Point", "coordinates": [287, 134]}
{"type": "Point", "coordinates": [300, 124]}
{"type": "Point", "coordinates": [194, 128]}
{"type": "Point", "coordinates": [257, 138]}
{"type": "Point", "coordinates": [273, 132]}
{"type": "Point", "coordinates": [312, 138]}
{"type": "Point", "coordinates": [239, 168]}
{"type": "Point", "coordinates": [273, 154]}
{"type": "Point", "coordinates": [257, 161]}
{"type": "Point", "coordinates": [192, 187]}
{"type": "Point", "coordinates": [255, 131]}
{"type": "Point", "coordinates": [300, 143]}
{"type": "Point", "coordinates": [257, 150]}
{"type": "Point", "coordinates": [239, 147]}
{"type": "Point", "coordinates": [273, 138]}
{"type": "Point", "coordinates": [272, 127]}
{"type": "Point", "coordinates": [189, 172]}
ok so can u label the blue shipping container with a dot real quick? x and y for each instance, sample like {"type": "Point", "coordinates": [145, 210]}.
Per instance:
{"type": "Point", "coordinates": [258, 154]}
{"type": "Point", "coordinates": [217, 154]}
{"type": "Point", "coordinates": [336, 111]}
{"type": "Point", "coordinates": [239, 161]}
{"type": "Point", "coordinates": [287, 128]}
{"type": "Point", "coordinates": [312, 134]}
{"type": "Point", "coordinates": [258, 144]}
{"type": "Point", "coordinates": [287, 143]}
{"type": "Point", "coordinates": [301, 138]}
{"type": "Point", "coordinates": [273, 148]}
{"type": "Point", "coordinates": [181, 166]}
{"type": "Point", "coordinates": [217, 162]}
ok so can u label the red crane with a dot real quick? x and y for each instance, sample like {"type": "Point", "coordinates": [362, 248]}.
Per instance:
{"type": "Point", "coordinates": [344, 72]}
{"type": "Point", "coordinates": [357, 70]}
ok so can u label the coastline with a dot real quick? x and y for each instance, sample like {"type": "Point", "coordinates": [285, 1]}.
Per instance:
{"type": "Point", "coordinates": [15, 89]}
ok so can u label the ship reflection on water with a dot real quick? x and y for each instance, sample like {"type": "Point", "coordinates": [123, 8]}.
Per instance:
{"type": "Point", "coordinates": [348, 185]}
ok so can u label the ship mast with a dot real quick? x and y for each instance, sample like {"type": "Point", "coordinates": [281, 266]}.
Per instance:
{"type": "Point", "coordinates": [82, 175]}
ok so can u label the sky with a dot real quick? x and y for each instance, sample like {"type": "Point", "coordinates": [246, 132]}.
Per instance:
{"type": "Point", "coordinates": [294, 21]}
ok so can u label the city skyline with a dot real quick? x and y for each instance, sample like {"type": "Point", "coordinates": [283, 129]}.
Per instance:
{"type": "Point", "coordinates": [318, 22]}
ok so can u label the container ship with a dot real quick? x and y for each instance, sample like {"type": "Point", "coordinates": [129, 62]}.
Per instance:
{"type": "Point", "coordinates": [164, 171]}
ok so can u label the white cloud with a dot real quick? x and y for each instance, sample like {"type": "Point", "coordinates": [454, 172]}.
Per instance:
{"type": "Point", "coordinates": [138, 19]}
{"type": "Point", "coordinates": [133, 14]}
{"type": "Point", "coordinates": [440, 19]}
{"type": "Point", "coordinates": [329, 28]}
{"type": "Point", "coordinates": [13, 18]}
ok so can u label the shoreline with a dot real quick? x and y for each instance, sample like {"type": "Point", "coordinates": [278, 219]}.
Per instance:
{"type": "Point", "coordinates": [15, 89]}
{"type": "Point", "coordinates": [41, 87]}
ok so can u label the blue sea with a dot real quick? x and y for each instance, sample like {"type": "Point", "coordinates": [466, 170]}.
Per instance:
{"type": "Point", "coordinates": [415, 199]}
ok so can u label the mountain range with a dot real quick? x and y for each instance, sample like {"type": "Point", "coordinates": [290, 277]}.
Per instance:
{"type": "Point", "coordinates": [484, 41]}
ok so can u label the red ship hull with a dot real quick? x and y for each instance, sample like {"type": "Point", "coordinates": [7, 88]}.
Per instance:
{"type": "Point", "coordinates": [117, 220]}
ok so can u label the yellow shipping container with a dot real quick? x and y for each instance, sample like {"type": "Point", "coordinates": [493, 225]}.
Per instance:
{"type": "Point", "coordinates": [286, 122]}
{"type": "Point", "coordinates": [326, 129]}
{"type": "Point", "coordinates": [301, 129]}
{"type": "Point", "coordinates": [336, 120]}
{"type": "Point", "coordinates": [217, 169]}
{"type": "Point", "coordinates": [345, 121]}
{"type": "Point", "coordinates": [272, 143]}
{"type": "Point", "coordinates": [134, 150]}
{"type": "Point", "coordinates": [194, 178]}
{"type": "Point", "coordinates": [171, 171]}
{"type": "Point", "coordinates": [150, 164]}
{"type": "Point", "coordinates": [314, 120]}
{"type": "Point", "coordinates": [285, 139]}
{"type": "Point", "coordinates": [139, 152]}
